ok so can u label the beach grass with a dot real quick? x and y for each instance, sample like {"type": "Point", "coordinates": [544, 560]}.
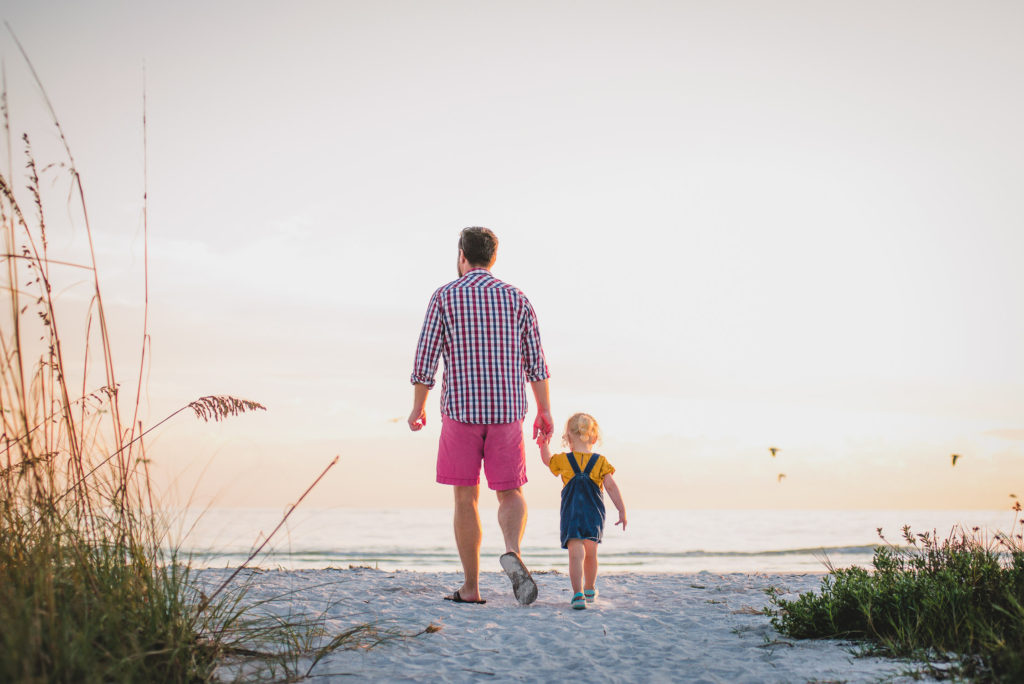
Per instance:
{"type": "Point", "coordinates": [89, 591]}
{"type": "Point", "coordinates": [957, 600]}
{"type": "Point", "coordinates": [86, 593]}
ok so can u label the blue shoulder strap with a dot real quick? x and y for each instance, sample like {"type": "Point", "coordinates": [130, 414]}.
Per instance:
{"type": "Point", "coordinates": [591, 463]}
{"type": "Point", "coordinates": [572, 462]}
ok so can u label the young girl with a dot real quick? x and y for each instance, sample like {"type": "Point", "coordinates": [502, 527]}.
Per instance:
{"type": "Point", "coordinates": [582, 521]}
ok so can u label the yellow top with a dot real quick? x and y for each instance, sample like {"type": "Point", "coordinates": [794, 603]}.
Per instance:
{"type": "Point", "coordinates": [559, 465]}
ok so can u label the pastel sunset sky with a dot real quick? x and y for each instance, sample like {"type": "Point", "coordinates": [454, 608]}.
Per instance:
{"type": "Point", "coordinates": [742, 225]}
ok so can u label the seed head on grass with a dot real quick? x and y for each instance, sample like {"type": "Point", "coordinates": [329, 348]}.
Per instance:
{"type": "Point", "coordinates": [218, 408]}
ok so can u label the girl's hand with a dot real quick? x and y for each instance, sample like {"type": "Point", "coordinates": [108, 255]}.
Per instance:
{"type": "Point", "coordinates": [545, 451]}
{"type": "Point", "coordinates": [612, 487]}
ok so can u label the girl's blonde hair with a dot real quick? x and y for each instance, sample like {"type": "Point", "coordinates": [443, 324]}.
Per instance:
{"type": "Point", "coordinates": [584, 427]}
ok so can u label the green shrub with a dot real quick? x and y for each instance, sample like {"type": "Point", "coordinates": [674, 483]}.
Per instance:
{"type": "Point", "coordinates": [959, 597]}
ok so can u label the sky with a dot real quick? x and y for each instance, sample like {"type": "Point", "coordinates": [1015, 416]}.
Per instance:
{"type": "Point", "coordinates": [742, 225]}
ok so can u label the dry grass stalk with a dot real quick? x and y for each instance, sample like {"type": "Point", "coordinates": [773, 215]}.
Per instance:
{"type": "Point", "coordinates": [86, 590]}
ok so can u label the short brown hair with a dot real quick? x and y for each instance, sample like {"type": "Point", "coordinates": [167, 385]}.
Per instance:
{"type": "Point", "coordinates": [479, 246]}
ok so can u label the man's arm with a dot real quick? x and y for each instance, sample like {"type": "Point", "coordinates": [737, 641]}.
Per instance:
{"type": "Point", "coordinates": [428, 353]}
{"type": "Point", "coordinates": [542, 424]}
{"type": "Point", "coordinates": [536, 369]}
{"type": "Point", "coordinates": [418, 417]}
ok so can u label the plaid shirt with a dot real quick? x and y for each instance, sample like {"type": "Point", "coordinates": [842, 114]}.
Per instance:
{"type": "Point", "coordinates": [487, 333]}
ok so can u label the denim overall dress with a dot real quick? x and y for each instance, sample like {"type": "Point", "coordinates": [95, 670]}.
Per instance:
{"type": "Point", "coordinates": [582, 504]}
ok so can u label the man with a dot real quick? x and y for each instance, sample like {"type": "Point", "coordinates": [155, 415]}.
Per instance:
{"type": "Point", "coordinates": [486, 331]}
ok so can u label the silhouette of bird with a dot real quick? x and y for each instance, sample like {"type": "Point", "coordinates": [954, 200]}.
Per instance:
{"type": "Point", "coordinates": [1013, 496]}
{"type": "Point", "coordinates": [774, 450]}
{"type": "Point", "coordinates": [781, 476]}
{"type": "Point", "coordinates": [955, 457]}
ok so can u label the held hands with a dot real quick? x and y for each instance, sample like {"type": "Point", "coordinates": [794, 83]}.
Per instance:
{"type": "Point", "coordinates": [543, 426]}
{"type": "Point", "coordinates": [545, 451]}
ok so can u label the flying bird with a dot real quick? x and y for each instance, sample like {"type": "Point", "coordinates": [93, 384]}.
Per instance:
{"type": "Point", "coordinates": [781, 476]}
{"type": "Point", "coordinates": [774, 450]}
{"type": "Point", "coordinates": [955, 457]}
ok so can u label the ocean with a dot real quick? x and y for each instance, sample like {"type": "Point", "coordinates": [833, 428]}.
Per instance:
{"type": "Point", "coordinates": [656, 541]}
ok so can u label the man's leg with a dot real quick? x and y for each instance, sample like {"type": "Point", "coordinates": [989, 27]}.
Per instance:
{"type": "Point", "coordinates": [467, 538]}
{"type": "Point", "coordinates": [505, 467]}
{"type": "Point", "coordinates": [512, 517]}
{"type": "Point", "coordinates": [512, 520]}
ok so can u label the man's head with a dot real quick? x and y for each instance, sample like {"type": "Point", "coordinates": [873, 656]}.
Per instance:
{"type": "Point", "coordinates": [478, 247]}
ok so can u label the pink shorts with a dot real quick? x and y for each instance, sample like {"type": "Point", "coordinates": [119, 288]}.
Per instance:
{"type": "Point", "coordinates": [463, 446]}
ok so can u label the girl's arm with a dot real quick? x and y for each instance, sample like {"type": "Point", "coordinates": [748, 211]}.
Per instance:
{"type": "Point", "coordinates": [545, 449]}
{"type": "Point", "coordinates": [616, 497]}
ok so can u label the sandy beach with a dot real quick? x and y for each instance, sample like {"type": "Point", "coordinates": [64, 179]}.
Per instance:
{"type": "Point", "coordinates": [700, 627]}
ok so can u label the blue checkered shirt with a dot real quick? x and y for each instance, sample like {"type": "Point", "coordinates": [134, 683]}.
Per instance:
{"type": "Point", "coordinates": [486, 331]}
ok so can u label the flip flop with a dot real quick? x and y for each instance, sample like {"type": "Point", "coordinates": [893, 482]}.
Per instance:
{"type": "Point", "coordinates": [590, 595]}
{"type": "Point", "coordinates": [455, 598]}
{"type": "Point", "coordinates": [578, 602]}
{"type": "Point", "coordinates": [523, 586]}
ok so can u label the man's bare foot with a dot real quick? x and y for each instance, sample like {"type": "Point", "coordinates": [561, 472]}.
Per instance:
{"type": "Point", "coordinates": [469, 595]}
{"type": "Point", "coordinates": [456, 597]}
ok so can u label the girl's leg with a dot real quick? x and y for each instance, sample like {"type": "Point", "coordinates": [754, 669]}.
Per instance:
{"type": "Point", "coordinates": [589, 563]}
{"type": "Point", "coordinates": [576, 555]}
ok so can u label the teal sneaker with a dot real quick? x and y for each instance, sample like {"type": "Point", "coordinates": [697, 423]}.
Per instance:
{"type": "Point", "coordinates": [578, 602]}
{"type": "Point", "coordinates": [590, 595]}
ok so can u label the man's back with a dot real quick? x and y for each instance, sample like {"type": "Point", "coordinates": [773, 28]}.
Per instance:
{"type": "Point", "coordinates": [486, 331]}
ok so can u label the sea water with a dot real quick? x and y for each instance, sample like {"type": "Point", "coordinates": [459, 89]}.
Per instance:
{"type": "Point", "coordinates": [655, 540]}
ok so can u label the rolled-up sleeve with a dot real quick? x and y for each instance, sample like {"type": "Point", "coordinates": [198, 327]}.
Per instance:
{"type": "Point", "coordinates": [534, 364]}
{"type": "Point", "coordinates": [428, 349]}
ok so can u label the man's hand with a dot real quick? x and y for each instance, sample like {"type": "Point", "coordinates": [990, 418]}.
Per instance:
{"type": "Point", "coordinates": [543, 426]}
{"type": "Point", "coordinates": [417, 419]}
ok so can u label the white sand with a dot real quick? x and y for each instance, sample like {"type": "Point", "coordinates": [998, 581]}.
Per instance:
{"type": "Point", "coordinates": [652, 628]}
